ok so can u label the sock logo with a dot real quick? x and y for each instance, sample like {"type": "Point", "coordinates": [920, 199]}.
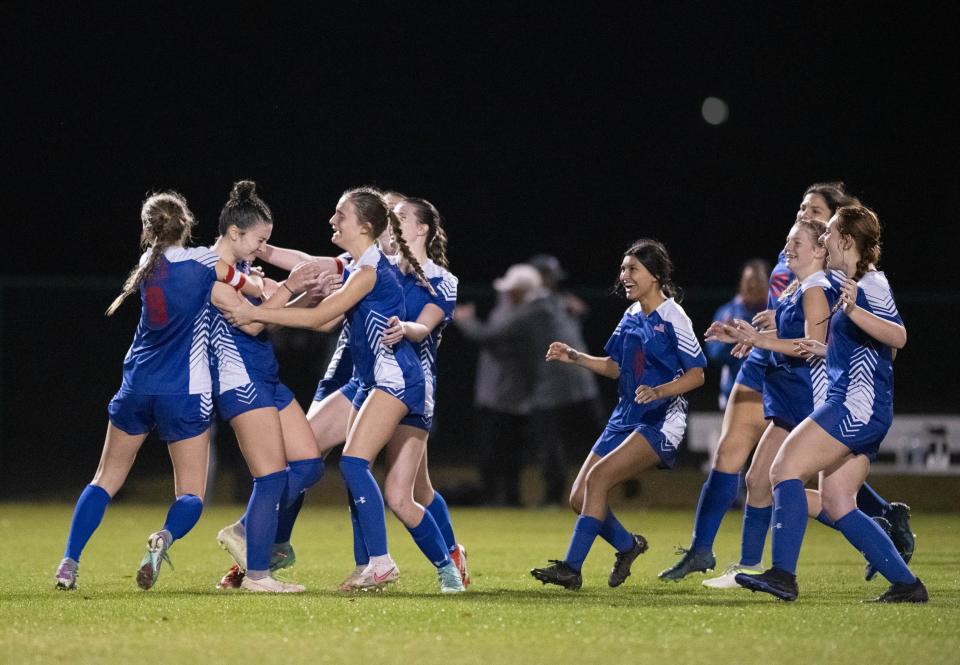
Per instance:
{"type": "Point", "coordinates": [778, 525]}
{"type": "Point", "coordinates": [362, 499]}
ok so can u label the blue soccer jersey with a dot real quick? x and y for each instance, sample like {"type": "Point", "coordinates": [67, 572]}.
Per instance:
{"type": "Point", "coordinates": [859, 406]}
{"type": "Point", "coordinates": [653, 350]}
{"type": "Point", "coordinates": [793, 387]}
{"type": "Point", "coordinates": [395, 370]}
{"type": "Point", "coordinates": [416, 297]}
{"type": "Point", "coordinates": [168, 355]}
{"type": "Point", "coordinates": [753, 369]}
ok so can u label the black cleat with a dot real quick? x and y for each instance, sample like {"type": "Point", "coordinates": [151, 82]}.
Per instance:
{"type": "Point", "coordinates": [775, 581]}
{"type": "Point", "coordinates": [870, 572]}
{"type": "Point", "coordinates": [899, 592]}
{"type": "Point", "coordinates": [693, 561]}
{"type": "Point", "coordinates": [559, 573]}
{"type": "Point", "coordinates": [898, 514]}
{"type": "Point", "coordinates": [621, 567]}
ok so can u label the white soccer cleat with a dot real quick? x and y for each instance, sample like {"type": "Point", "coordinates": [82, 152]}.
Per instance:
{"type": "Point", "coordinates": [66, 576]}
{"type": "Point", "coordinates": [233, 538]}
{"type": "Point", "coordinates": [377, 575]}
{"type": "Point", "coordinates": [352, 578]}
{"type": "Point", "coordinates": [450, 580]}
{"type": "Point", "coordinates": [727, 581]}
{"type": "Point", "coordinates": [270, 585]}
{"type": "Point", "coordinates": [149, 570]}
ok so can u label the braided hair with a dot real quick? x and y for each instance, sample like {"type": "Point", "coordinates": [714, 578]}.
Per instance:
{"type": "Point", "coordinates": [428, 214]}
{"type": "Point", "coordinates": [167, 221]}
{"type": "Point", "coordinates": [372, 209]}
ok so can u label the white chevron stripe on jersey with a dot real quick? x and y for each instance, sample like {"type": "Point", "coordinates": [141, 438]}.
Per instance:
{"type": "Point", "coordinates": [386, 370]}
{"type": "Point", "coordinates": [860, 389]}
{"type": "Point", "coordinates": [687, 342]}
{"type": "Point", "coordinates": [231, 370]}
{"type": "Point", "coordinates": [818, 380]}
{"type": "Point", "coordinates": [882, 304]}
{"type": "Point", "coordinates": [200, 381]}
{"type": "Point", "coordinates": [448, 288]}
{"type": "Point", "coordinates": [675, 422]}
{"type": "Point", "coordinates": [247, 393]}
{"type": "Point", "coordinates": [206, 404]}
{"type": "Point", "coordinates": [374, 327]}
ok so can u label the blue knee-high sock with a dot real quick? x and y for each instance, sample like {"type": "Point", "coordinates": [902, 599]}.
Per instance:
{"type": "Point", "coordinates": [261, 522]}
{"type": "Point", "coordinates": [441, 515]}
{"type": "Point", "coordinates": [301, 476]}
{"type": "Point", "coordinates": [612, 531]}
{"type": "Point", "coordinates": [824, 519]}
{"type": "Point", "coordinates": [756, 523]}
{"type": "Point", "coordinates": [584, 533]}
{"type": "Point", "coordinates": [789, 523]}
{"type": "Point", "coordinates": [871, 503]}
{"type": "Point", "coordinates": [428, 538]}
{"type": "Point", "coordinates": [877, 548]}
{"type": "Point", "coordinates": [368, 502]}
{"type": "Point", "coordinates": [360, 555]}
{"type": "Point", "coordinates": [183, 515]}
{"type": "Point", "coordinates": [716, 497]}
{"type": "Point", "coordinates": [86, 518]}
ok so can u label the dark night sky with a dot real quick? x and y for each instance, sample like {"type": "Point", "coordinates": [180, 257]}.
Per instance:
{"type": "Point", "coordinates": [532, 127]}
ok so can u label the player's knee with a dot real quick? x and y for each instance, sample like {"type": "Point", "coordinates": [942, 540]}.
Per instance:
{"type": "Point", "coordinates": [758, 482]}
{"type": "Point", "coordinates": [731, 455]}
{"type": "Point", "coordinates": [836, 504]}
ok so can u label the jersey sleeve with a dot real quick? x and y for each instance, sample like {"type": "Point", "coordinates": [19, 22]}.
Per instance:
{"type": "Point", "coordinates": [878, 297]}
{"type": "Point", "coordinates": [689, 352]}
{"type": "Point", "coordinates": [614, 345]}
{"type": "Point", "coordinates": [446, 298]}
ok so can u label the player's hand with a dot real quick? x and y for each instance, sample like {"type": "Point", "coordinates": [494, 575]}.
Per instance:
{"type": "Point", "coordinates": [561, 352]}
{"type": "Point", "coordinates": [741, 350]}
{"type": "Point", "coordinates": [717, 332]}
{"type": "Point", "coordinates": [811, 348]}
{"type": "Point", "coordinates": [744, 333]}
{"type": "Point", "coordinates": [302, 274]}
{"type": "Point", "coordinates": [646, 394]}
{"type": "Point", "coordinates": [394, 331]}
{"type": "Point", "coordinates": [765, 320]}
{"type": "Point", "coordinates": [848, 295]}
{"type": "Point", "coordinates": [239, 314]}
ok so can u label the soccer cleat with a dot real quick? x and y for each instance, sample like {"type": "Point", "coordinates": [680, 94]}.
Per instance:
{"type": "Point", "coordinates": [898, 514]}
{"type": "Point", "coordinates": [775, 581]}
{"type": "Point", "coordinates": [727, 581]}
{"type": "Point", "coordinates": [348, 584]}
{"type": "Point", "coordinates": [693, 561]}
{"type": "Point", "coordinates": [869, 572]}
{"type": "Point", "coordinates": [232, 579]}
{"type": "Point", "coordinates": [559, 573]}
{"type": "Point", "coordinates": [376, 576]}
{"type": "Point", "coordinates": [282, 556]}
{"type": "Point", "coordinates": [621, 567]}
{"type": "Point", "coordinates": [459, 557]}
{"type": "Point", "coordinates": [270, 585]}
{"type": "Point", "coordinates": [901, 592]}
{"type": "Point", "coordinates": [450, 580]}
{"type": "Point", "coordinates": [67, 574]}
{"type": "Point", "coordinates": [149, 569]}
{"type": "Point", "coordinates": [233, 538]}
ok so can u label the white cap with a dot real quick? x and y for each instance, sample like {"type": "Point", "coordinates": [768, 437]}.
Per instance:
{"type": "Point", "coordinates": [522, 276]}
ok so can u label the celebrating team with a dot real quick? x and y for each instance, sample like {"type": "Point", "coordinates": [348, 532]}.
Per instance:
{"type": "Point", "coordinates": [814, 397]}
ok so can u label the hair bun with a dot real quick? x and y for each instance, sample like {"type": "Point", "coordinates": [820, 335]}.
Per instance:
{"type": "Point", "coordinates": [243, 190]}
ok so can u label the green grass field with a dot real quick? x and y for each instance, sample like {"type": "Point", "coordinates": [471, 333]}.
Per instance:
{"type": "Point", "coordinates": [506, 617]}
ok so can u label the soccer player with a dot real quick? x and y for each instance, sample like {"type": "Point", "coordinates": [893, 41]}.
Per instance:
{"type": "Point", "coordinates": [743, 422]}
{"type": "Point", "coordinates": [391, 381]}
{"type": "Point", "coordinates": [793, 385]}
{"type": "Point", "coordinates": [166, 382]}
{"type": "Point", "coordinates": [655, 358]}
{"type": "Point", "coordinates": [271, 428]}
{"type": "Point", "coordinates": [843, 435]}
